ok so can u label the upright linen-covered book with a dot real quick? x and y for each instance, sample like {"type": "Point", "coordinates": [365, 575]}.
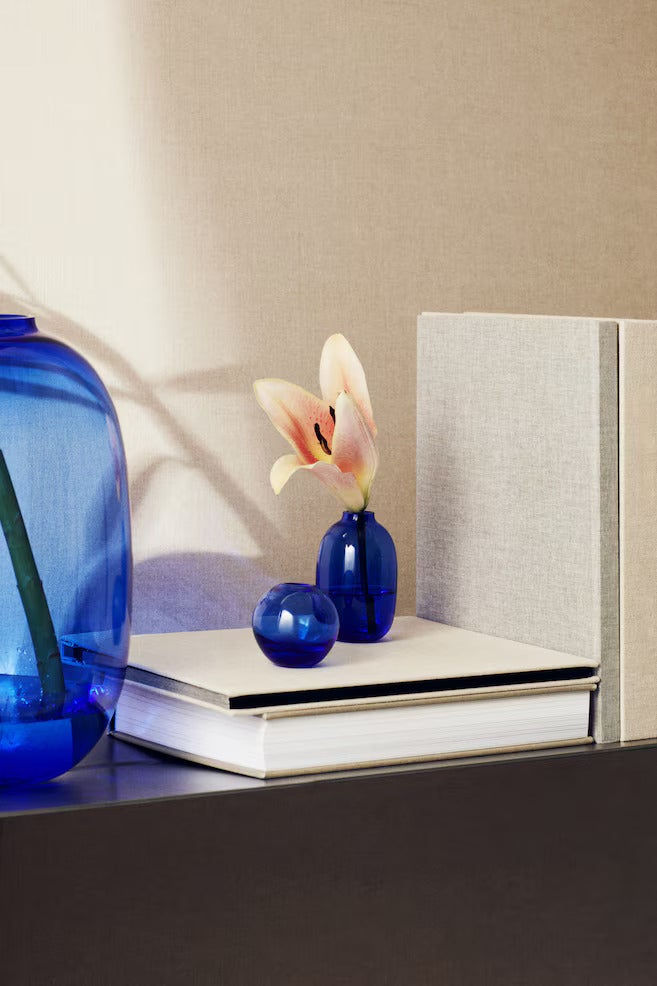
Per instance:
{"type": "Point", "coordinates": [537, 492]}
{"type": "Point", "coordinates": [425, 692]}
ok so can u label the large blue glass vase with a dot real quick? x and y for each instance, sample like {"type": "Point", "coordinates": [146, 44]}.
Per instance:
{"type": "Point", "coordinates": [357, 568]}
{"type": "Point", "coordinates": [65, 555]}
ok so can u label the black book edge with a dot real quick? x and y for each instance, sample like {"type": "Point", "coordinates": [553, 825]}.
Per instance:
{"type": "Point", "coordinates": [258, 700]}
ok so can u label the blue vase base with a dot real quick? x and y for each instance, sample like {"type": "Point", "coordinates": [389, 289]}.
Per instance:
{"type": "Point", "coordinates": [364, 619]}
{"type": "Point", "coordinates": [41, 739]}
{"type": "Point", "coordinates": [293, 653]}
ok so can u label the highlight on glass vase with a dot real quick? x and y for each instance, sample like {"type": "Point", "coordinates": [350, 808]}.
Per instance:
{"type": "Point", "coordinates": [65, 555]}
{"type": "Point", "coordinates": [333, 438]}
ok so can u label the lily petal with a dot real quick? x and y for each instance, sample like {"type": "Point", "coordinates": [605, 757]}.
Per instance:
{"type": "Point", "coordinates": [341, 370]}
{"type": "Point", "coordinates": [282, 469]}
{"type": "Point", "coordinates": [354, 450]}
{"type": "Point", "coordinates": [342, 485]}
{"type": "Point", "coordinates": [298, 416]}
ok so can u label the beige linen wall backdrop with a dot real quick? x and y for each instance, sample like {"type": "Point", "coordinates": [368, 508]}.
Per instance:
{"type": "Point", "coordinates": [195, 194]}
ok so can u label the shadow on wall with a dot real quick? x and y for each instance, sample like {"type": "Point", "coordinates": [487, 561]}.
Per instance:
{"type": "Point", "coordinates": [199, 591]}
{"type": "Point", "coordinates": [188, 590]}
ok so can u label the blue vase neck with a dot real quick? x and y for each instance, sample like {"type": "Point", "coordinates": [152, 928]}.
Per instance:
{"type": "Point", "coordinates": [354, 515]}
{"type": "Point", "coordinates": [12, 326]}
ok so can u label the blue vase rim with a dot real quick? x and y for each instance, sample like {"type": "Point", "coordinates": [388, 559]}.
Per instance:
{"type": "Point", "coordinates": [355, 514]}
{"type": "Point", "coordinates": [17, 325]}
{"type": "Point", "coordinates": [295, 585]}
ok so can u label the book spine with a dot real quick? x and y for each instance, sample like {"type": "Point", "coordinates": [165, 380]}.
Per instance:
{"type": "Point", "coordinates": [605, 540]}
{"type": "Point", "coordinates": [638, 528]}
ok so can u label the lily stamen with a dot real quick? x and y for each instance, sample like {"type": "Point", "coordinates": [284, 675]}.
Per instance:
{"type": "Point", "coordinates": [324, 445]}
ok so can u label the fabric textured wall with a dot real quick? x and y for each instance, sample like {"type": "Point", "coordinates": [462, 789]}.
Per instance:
{"type": "Point", "coordinates": [195, 194]}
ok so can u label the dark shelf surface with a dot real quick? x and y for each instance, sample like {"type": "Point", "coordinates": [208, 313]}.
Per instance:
{"type": "Point", "coordinates": [533, 869]}
{"type": "Point", "coordinates": [117, 773]}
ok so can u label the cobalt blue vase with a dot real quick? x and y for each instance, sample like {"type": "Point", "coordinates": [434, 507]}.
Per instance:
{"type": "Point", "coordinates": [357, 569]}
{"type": "Point", "coordinates": [65, 555]}
{"type": "Point", "coordinates": [295, 625]}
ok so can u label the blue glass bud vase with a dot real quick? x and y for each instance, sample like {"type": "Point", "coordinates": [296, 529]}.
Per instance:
{"type": "Point", "coordinates": [65, 555]}
{"type": "Point", "coordinates": [357, 569]}
{"type": "Point", "coordinates": [295, 625]}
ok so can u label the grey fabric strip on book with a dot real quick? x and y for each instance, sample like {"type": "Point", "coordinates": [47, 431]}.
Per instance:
{"type": "Point", "coordinates": [638, 541]}
{"type": "Point", "coordinates": [517, 484]}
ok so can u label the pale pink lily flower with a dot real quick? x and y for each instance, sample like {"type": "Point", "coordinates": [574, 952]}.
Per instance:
{"type": "Point", "coordinates": [332, 437]}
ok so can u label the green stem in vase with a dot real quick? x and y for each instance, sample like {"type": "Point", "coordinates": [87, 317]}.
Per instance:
{"type": "Point", "coordinates": [33, 598]}
{"type": "Point", "coordinates": [364, 579]}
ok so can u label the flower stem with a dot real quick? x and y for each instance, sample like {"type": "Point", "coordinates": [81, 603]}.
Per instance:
{"type": "Point", "coordinates": [364, 580]}
{"type": "Point", "coordinates": [33, 598]}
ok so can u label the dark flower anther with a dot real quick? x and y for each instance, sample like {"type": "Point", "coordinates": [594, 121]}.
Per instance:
{"type": "Point", "coordinates": [322, 441]}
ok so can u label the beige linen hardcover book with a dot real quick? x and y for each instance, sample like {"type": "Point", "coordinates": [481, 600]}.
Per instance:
{"type": "Point", "coordinates": [425, 692]}
{"type": "Point", "coordinates": [537, 455]}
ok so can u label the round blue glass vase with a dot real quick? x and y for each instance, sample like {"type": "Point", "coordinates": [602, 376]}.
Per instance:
{"type": "Point", "coordinates": [65, 555]}
{"type": "Point", "coordinates": [357, 568]}
{"type": "Point", "coordinates": [295, 625]}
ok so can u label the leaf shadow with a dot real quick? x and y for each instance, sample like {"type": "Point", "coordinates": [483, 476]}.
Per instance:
{"type": "Point", "coordinates": [132, 387]}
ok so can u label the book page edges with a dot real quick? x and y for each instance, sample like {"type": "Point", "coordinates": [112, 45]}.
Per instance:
{"type": "Point", "coordinates": [337, 768]}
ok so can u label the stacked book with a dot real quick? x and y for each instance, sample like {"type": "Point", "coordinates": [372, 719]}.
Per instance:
{"type": "Point", "coordinates": [426, 692]}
